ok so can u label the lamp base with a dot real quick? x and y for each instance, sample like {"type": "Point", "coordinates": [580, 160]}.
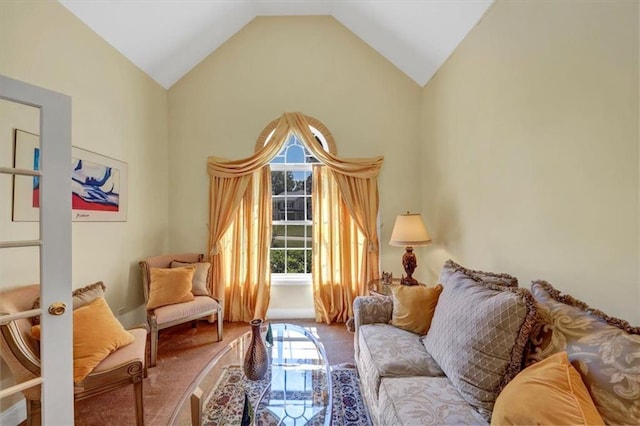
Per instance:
{"type": "Point", "coordinates": [409, 262]}
{"type": "Point", "coordinates": [409, 281]}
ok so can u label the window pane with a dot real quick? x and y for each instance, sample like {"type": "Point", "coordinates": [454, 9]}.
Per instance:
{"type": "Point", "coordinates": [309, 260]}
{"type": "Point", "coordinates": [309, 183]}
{"type": "Point", "coordinates": [295, 154]}
{"type": "Point", "coordinates": [277, 183]}
{"type": "Point", "coordinates": [290, 184]}
{"type": "Point", "coordinates": [295, 236]}
{"type": "Point", "coordinates": [277, 261]}
{"type": "Point", "coordinates": [309, 238]}
{"type": "Point", "coordinates": [309, 208]}
{"type": "Point", "coordinates": [298, 182]}
{"type": "Point", "coordinates": [295, 262]}
{"type": "Point", "coordinates": [295, 207]}
{"type": "Point", "coordinates": [278, 205]}
{"type": "Point", "coordinates": [277, 236]}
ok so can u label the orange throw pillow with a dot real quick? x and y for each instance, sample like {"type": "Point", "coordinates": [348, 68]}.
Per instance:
{"type": "Point", "coordinates": [96, 334]}
{"type": "Point", "coordinates": [170, 285]}
{"type": "Point", "coordinates": [549, 392]}
{"type": "Point", "coordinates": [413, 307]}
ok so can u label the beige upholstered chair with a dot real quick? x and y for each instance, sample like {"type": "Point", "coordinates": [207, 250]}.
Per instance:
{"type": "Point", "coordinates": [21, 352]}
{"type": "Point", "coordinates": [179, 313]}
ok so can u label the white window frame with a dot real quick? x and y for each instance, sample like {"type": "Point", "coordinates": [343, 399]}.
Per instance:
{"type": "Point", "coordinates": [288, 279]}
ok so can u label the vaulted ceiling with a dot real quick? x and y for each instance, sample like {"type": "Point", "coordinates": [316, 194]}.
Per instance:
{"type": "Point", "coordinates": [167, 38]}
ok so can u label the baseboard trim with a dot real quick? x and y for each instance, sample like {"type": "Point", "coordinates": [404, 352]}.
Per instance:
{"type": "Point", "coordinates": [291, 314]}
{"type": "Point", "coordinates": [15, 414]}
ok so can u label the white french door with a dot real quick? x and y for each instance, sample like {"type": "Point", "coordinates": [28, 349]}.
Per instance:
{"type": "Point", "coordinates": [53, 243]}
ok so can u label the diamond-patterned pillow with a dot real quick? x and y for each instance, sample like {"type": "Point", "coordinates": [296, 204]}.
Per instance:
{"type": "Point", "coordinates": [450, 267]}
{"type": "Point", "coordinates": [478, 335]}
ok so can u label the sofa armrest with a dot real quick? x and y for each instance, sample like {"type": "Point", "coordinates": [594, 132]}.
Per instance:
{"type": "Point", "coordinates": [371, 310]}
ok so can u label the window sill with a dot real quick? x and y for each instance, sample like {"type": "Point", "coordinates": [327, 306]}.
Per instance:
{"type": "Point", "coordinates": [295, 280]}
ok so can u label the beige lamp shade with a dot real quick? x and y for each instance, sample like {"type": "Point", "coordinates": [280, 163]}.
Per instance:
{"type": "Point", "coordinates": [409, 230]}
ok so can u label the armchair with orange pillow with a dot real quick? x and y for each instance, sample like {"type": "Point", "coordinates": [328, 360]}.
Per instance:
{"type": "Point", "coordinates": [176, 290]}
{"type": "Point", "coordinates": [105, 355]}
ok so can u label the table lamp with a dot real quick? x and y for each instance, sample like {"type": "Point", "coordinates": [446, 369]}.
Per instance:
{"type": "Point", "coordinates": [409, 231]}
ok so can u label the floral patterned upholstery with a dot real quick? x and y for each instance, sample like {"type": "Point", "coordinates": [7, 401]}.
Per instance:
{"type": "Point", "coordinates": [402, 402]}
{"type": "Point", "coordinates": [400, 381]}
{"type": "Point", "coordinates": [378, 359]}
{"type": "Point", "coordinates": [403, 385]}
{"type": "Point", "coordinates": [604, 350]}
{"type": "Point", "coordinates": [370, 310]}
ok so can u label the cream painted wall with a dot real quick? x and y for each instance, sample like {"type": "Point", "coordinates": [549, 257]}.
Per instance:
{"type": "Point", "coordinates": [117, 111]}
{"type": "Point", "coordinates": [276, 64]}
{"type": "Point", "coordinates": [530, 146]}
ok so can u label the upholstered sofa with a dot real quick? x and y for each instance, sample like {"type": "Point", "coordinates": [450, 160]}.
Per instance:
{"type": "Point", "coordinates": [484, 332]}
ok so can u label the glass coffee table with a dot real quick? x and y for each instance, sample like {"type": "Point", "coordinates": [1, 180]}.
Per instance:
{"type": "Point", "coordinates": [296, 390]}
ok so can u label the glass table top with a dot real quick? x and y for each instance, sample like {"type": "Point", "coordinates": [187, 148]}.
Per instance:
{"type": "Point", "coordinates": [296, 390]}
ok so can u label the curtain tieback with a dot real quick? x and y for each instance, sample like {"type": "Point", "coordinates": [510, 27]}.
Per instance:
{"type": "Point", "coordinates": [215, 250]}
{"type": "Point", "coordinates": [373, 246]}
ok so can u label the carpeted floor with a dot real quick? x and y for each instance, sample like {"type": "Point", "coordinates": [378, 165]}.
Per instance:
{"type": "Point", "coordinates": [182, 352]}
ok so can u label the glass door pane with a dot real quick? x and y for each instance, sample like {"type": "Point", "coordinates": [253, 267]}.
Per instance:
{"type": "Point", "coordinates": [35, 249]}
{"type": "Point", "coordinates": [19, 266]}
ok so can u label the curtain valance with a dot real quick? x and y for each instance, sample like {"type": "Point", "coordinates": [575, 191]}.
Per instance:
{"type": "Point", "coordinates": [293, 122]}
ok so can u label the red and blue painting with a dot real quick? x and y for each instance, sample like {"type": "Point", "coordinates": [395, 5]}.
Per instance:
{"type": "Point", "coordinates": [97, 183]}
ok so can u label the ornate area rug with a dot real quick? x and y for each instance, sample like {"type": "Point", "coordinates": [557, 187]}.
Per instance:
{"type": "Point", "coordinates": [348, 406]}
{"type": "Point", "coordinates": [227, 400]}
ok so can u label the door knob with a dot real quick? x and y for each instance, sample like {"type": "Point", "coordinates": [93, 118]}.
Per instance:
{"type": "Point", "coordinates": [57, 308]}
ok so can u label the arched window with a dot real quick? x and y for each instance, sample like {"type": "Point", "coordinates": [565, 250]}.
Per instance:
{"type": "Point", "coordinates": [344, 250]}
{"type": "Point", "coordinates": [292, 217]}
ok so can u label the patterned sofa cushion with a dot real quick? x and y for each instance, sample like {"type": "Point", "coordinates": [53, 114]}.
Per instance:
{"type": "Point", "coordinates": [423, 401]}
{"type": "Point", "coordinates": [604, 350]}
{"type": "Point", "coordinates": [379, 358]}
{"type": "Point", "coordinates": [450, 267]}
{"type": "Point", "coordinates": [478, 335]}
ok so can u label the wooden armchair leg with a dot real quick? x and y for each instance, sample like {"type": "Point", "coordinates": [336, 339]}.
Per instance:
{"type": "Point", "coordinates": [137, 389]}
{"type": "Point", "coordinates": [220, 325]}
{"type": "Point", "coordinates": [34, 413]}
{"type": "Point", "coordinates": [154, 345]}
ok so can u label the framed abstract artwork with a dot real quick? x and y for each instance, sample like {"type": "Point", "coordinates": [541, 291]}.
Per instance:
{"type": "Point", "coordinates": [98, 184]}
{"type": "Point", "coordinates": [26, 190]}
{"type": "Point", "coordinates": [98, 187]}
